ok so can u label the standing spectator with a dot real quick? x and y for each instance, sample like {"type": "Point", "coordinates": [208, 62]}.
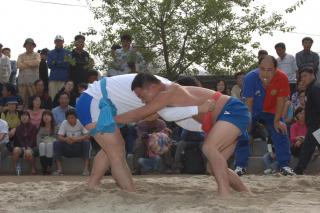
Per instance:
{"type": "Point", "coordinates": [81, 62]}
{"type": "Point", "coordinates": [222, 87]}
{"type": "Point", "coordinates": [28, 65]}
{"type": "Point", "coordinates": [25, 142]}
{"type": "Point", "coordinates": [5, 68]}
{"type": "Point", "coordinates": [312, 112]}
{"type": "Point", "coordinates": [265, 91]}
{"type": "Point", "coordinates": [298, 131]}
{"type": "Point", "coordinates": [45, 138]}
{"type": "Point", "coordinates": [43, 68]}
{"type": "Point", "coordinates": [59, 65]}
{"type": "Point", "coordinates": [73, 141]}
{"type": "Point", "coordinates": [46, 102]}
{"type": "Point", "coordinates": [93, 76]}
{"type": "Point", "coordinates": [4, 138]}
{"type": "Point", "coordinates": [126, 59]}
{"type": "Point", "coordinates": [12, 79]}
{"type": "Point", "coordinates": [59, 112]}
{"type": "Point", "coordinates": [287, 63]}
{"type": "Point", "coordinates": [237, 88]}
{"type": "Point", "coordinates": [35, 111]}
{"type": "Point", "coordinates": [69, 89]}
{"type": "Point", "coordinates": [306, 57]}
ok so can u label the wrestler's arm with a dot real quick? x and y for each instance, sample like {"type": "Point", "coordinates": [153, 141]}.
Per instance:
{"type": "Point", "coordinates": [160, 101]}
{"type": "Point", "coordinates": [178, 113]}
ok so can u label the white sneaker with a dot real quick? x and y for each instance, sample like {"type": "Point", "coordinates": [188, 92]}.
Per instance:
{"type": "Point", "coordinates": [240, 171]}
{"type": "Point", "coordinates": [286, 170]}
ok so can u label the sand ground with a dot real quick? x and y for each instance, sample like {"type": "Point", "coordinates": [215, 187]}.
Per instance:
{"type": "Point", "coordinates": [182, 193]}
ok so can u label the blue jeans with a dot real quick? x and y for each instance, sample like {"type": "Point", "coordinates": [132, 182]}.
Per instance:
{"type": "Point", "coordinates": [269, 162]}
{"type": "Point", "coordinates": [242, 151]}
{"type": "Point", "coordinates": [150, 164]}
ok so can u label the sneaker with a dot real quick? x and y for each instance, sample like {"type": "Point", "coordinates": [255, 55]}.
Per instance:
{"type": "Point", "coordinates": [57, 173]}
{"type": "Point", "coordinates": [286, 170]}
{"type": "Point", "coordinates": [85, 173]}
{"type": "Point", "coordinates": [240, 171]}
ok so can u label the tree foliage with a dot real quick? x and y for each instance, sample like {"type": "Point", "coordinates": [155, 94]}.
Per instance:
{"type": "Point", "coordinates": [175, 35]}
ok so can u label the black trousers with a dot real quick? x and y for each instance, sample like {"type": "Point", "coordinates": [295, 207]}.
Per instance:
{"type": "Point", "coordinates": [307, 150]}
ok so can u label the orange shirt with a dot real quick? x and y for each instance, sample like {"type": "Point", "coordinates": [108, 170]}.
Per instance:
{"type": "Point", "coordinates": [278, 87]}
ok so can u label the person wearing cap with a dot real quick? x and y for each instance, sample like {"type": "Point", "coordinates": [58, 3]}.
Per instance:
{"type": "Point", "coordinates": [306, 57]}
{"type": "Point", "coordinates": [12, 79]}
{"type": "Point", "coordinates": [8, 91]}
{"type": "Point", "coordinates": [312, 118]}
{"type": "Point", "coordinates": [5, 68]}
{"type": "Point", "coordinates": [28, 65]}
{"type": "Point", "coordinates": [58, 62]}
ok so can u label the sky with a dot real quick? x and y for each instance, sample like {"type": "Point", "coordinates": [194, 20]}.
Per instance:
{"type": "Point", "coordinates": [21, 19]}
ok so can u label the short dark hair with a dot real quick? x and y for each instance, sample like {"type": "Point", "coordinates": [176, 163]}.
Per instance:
{"type": "Point", "coordinates": [1, 45]}
{"type": "Point", "coordinates": [93, 73]}
{"type": "Point", "coordinates": [78, 37]}
{"type": "Point", "coordinates": [5, 49]}
{"type": "Point", "coordinates": [280, 45]}
{"type": "Point", "coordinates": [307, 39]}
{"type": "Point", "coordinates": [274, 60]}
{"type": "Point", "coordinates": [115, 47]}
{"type": "Point", "coordinates": [262, 52]}
{"type": "Point", "coordinates": [24, 112]}
{"type": "Point", "coordinates": [71, 112]}
{"type": "Point", "coordinates": [125, 37]}
{"type": "Point", "coordinates": [306, 69]}
{"type": "Point", "coordinates": [144, 79]}
{"type": "Point", "coordinates": [238, 74]}
{"type": "Point", "coordinates": [64, 93]}
{"type": "Point", "coordinates": [188, 81]}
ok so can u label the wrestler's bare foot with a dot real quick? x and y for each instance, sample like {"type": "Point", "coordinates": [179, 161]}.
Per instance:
{"type": "Point", "coordinates": [207, 106]}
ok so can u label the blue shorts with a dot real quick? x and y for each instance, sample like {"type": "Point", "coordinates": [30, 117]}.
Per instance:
{"type": "Point", "coordinates": [235, 112]}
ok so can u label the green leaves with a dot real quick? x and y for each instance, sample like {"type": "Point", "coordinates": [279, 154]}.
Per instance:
{"type": "Point", "coordinates": [175, 35]}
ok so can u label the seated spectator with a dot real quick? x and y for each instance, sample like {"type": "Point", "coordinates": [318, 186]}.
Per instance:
{"type": "Point", "coordinates": [45, 138]}
{"type": "Point", "coordinates": [222, 87]}
{"type": "Point", "coordinates": [46, 102]}
{"type": "Point", "coordinates": [298, 131]}
{"type": "Point", "coordinates": [236, 89]}
{"type": "Point", "coordinates": [187, 138]}
{"type": "Point", "coordinates": [158, 143]}
{"type": "Point", "coordinates": [59, 112]}
{"type": "Point", "coordinates": [4, 138]}
{"type": "Point", "coordinates": [270, 162]}
{"type": "Point", "coordinates": [35, 111]}
{"type": "Point", "coordinates": [8, 90]}
{"type": "Point", "coordinates": [302, 99]}
{"type": "Point", "coordinates": [12, 116]}
{"type": "Point", "coordinates": [25, 145]}
{"type": "Point", "coordinates": [67, 88]}
{"type": "Point", "coordinates": [143, 129]}
{"type": "Point", "coordinates": [295, 96]}
{"type": "Point", "coordinates": [73, 141]}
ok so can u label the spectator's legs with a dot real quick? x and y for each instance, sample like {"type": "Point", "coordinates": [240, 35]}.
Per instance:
{"type": "Point", "coordinates": [242, 152]}
{"type": "Point", "coordinates": [219, 145]}
{"type": "Point", "coordinates": [306, 152]}
{"type": "Point", "coordinates": [54, 87]}
{"type": "Point", "coordinates": [28, 156]}
{"type": "Point", "coordinates": [114, 147]}
{"type": "Point", "coordinates": [57, 147]}
{"type": "Point", "coordinates": [23, 91]}
{"type": "Point", "coordinates": [139, 151]}
{"type": "Point", "coordinates": [177, 165]}
{"type": "Point", "coordinates": [267, 160]}
{"type": "Point", "coordinates": [15, 156]}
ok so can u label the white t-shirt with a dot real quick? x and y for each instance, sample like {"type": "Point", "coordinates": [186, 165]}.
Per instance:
{"type": "Point", "coordinates": [4, 129]}
{"type": "Point", "coordinates": [67, 130]}
{"type": "Point", "coordinates": [289, 66]}
{"type": "Point", "coordinates": [120, 93]}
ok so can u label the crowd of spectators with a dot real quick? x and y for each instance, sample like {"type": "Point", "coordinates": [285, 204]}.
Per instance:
{"type": "Point", "coordinates": [38, 119]}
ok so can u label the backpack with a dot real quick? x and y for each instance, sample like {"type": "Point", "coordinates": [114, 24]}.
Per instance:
{"type": "Point", "coordinates": [192, 160]}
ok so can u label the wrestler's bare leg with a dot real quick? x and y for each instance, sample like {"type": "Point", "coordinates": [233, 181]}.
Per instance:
{"type": "Point", "coordinates": [219, 139]}
{"type": "Point", "coordinates": [100, 166]}
{"type": "Point", "coordinates": [113, 146]}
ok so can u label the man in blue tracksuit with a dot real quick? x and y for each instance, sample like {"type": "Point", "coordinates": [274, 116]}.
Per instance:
{"type": "Point", "coordinates": [265, 91]}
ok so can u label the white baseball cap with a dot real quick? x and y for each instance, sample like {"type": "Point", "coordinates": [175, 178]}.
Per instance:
{"type": "Point", "coordinates": [59, 37]}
